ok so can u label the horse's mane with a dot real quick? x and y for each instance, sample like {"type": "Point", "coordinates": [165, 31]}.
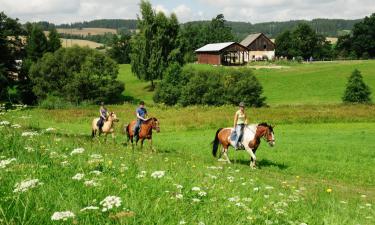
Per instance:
{"type": "Point", "coordinates": [264, 124]}
{"type": "Point", "coordinates": [152, 118]}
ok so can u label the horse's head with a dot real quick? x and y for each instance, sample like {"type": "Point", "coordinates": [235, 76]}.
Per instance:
{"type": "Point", "coordinates": [268, 133]}
{"type": "Point", "coordinates": [112, 117]}
{"type": "Point", "coordinates": [155, 124]}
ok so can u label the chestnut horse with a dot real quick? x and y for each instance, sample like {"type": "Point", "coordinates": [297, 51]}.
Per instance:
{"type": "Point", "coordinates": [108, 126]}
{"type": "Point", "coordinates": [250, 140]}
{"type": "Point", "coordinates": [145, 132]}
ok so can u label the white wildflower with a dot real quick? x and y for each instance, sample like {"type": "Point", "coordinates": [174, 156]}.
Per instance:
{"type": "Point", "coordinates": [5, 162]}
{"type": "Point", "coordinates": [196, 200]}
{"type": "Point", "coordinates": [230, 179]}
{"type": "Point", "coordinates": [89, 208]}
{"type": "Point", "coordinates": [269, 187]}
{"type": "Point", "coordinates": [16, 126]}
{"type": "Point", "coordinates": [256, 189]}
{"type": "Point", "coordinates": [202, 193]}
{"type": "Point", "coordinates": [179, 196]}
{"type": "Point", "coordinates": [215, 167]}
{"type": "Point", "coordinates": [234, 199]}
{"type": "Point", "coordinates": [303, 224]}
{"type": "Point", "coordinates": [96, 172]}
{"type": "Point", "coordinates": [109, 202]}
{"type": "Point", "coordinates": [239, 204]}
{"type": "Point", "coordinates": [158, 174]}
{"type": "Point", "coordinates": [78, 176]}
{"type": "Point", "coordinates": [182, 222]}
{"type": "Point", "coordinates": [29, 134]}
{"type": "Point", "coordinates": [62, 215]}
{"type": "Point", "coordinates": [368, 204]}
{"type": "Point", "coordinates": [142, 174]}
{"type": "Point", "coordinates": [49, 129]}
{"type": "Point", "coordinates": [29, 149]}
{"type": "Point", "coordinates": [91, 183]}
{"type": "Point", "coordinates": [179, 186]}
{"type": "Point", "coordinates": [343, 202]}
{"type": "Point", "coordinates": [77, 151]}
{"type": "Point", "coordinates": [4, 123]}
{"type": "Point", "coordinates": [201, 223]}
{"type": "Point", "coordinates": [266, 196]}
{"type": "Point", "coordinates": [96, 156]}
{"type": "Point", "coordinates": [64, 163]}
{"type": "Point", "coordinates": [196, 189]}
{"type": "Point", "coordinates": [247, 199]}
{"type": "Point", "coordinates": [25, 185]}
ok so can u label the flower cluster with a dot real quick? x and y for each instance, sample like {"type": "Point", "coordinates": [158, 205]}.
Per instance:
{"type": "Point", "coordinates": [62, 215]}
{"type": "Point", "coordinates": [29, 134]}
{"type": "Point", "coordinates": [4, 123]}
{"type": "Point", "coordinates": [77, 151]}
{"type": "Point", "coordinates": [26, 185]}
{"type": "Point", "coordinates": [158, 174]}
{"type": "Point", "coordinates": [109, 202]}
{"type": "Point", "coordinates": [78, 176]}
{"type": "Point", "coordinates": [5, 162]}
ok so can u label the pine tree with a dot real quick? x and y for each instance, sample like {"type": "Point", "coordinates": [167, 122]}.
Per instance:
{"type": "Point", "coordinates": [356, 89]}
{"type": "Point", "coordinates": [37, 43]}
{"type": "Point", "coordinates": [54, 42]}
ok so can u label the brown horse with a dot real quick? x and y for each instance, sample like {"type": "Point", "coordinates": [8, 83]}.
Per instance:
{"type": "Point", "coordinates": [108, 126]}
{"type": "Point", "coordinates": [251, 140]}
{"type": "Point", "coordinates": [145, 132]}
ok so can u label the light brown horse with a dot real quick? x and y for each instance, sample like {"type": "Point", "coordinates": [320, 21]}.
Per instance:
{"type": "Point", "coordinates": [145, 131]}
{"type": "Point", "coordinates": [251, 140]}
{"type": "Point", "coordinates": [108, 126]}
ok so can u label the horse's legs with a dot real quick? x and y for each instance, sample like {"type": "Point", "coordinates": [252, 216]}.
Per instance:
{"type": "Point", "coordinates": [252, 157]}
{"type": "Point", "coordinates": [225, 153]}
{"type": "Point", "coordinates": [142, 143]}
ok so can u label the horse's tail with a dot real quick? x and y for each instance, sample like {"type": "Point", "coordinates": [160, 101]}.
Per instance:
{"type": "Point", "coordinates": [215, 143]}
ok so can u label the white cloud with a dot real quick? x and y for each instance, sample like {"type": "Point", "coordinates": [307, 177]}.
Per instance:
{"type": "Point", "coordinates": [161, 8]}
{"type": "Point", "coordinates": [63, 11]}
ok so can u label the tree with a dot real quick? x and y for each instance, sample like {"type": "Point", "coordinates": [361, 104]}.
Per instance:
{"type": "Point", "coordinates": [54, 42]}
{"type": "Point", "coordinates": [11, 50]}
{"type": "Point", "coordinates": [76, 74]}
{"type": "Point", "coordinates": [363, 40]}
{"type": "Point", "coordinates": [217, 31]}
{"type": "Point", "coordinates": [356, 89]}
{"type": "Point", "coordinates": [304, 42]}
{"type": "Point", "coordinates": [37, 43]}
{"type": "Point", "coordinates": [151, 47]}
{"type": "Point", "coordinates": [284, 45]}
{"type": "Point", "coordinates": [120, 48]}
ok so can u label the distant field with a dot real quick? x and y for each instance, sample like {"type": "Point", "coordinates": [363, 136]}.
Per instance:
{"type": "Point", "coordinates": [309, 83]}
{"type": "Point", "coordinates": [83, 43]}
{"type": "Point", "coordinates": [87, 31]}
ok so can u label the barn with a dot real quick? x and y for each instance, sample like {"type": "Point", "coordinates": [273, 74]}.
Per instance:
{"type": "Point", "coordinates": [260, 47]}
{"type": "Point", "coordinates": [228, 53]}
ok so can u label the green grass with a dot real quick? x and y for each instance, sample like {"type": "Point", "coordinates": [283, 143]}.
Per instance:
{"type": "Point", "coordinates": [317, 148]}
{"type": "Point", "coordinates": [135, 89]}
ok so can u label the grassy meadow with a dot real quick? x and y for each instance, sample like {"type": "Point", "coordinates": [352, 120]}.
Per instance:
{"type": "Point", "coordinates": [321, 170]}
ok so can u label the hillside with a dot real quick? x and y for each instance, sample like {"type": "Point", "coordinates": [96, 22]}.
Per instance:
{"type": "Point", "coordinates": [327, 27]}
{"type": "Point", "coordinates": [295, 84]}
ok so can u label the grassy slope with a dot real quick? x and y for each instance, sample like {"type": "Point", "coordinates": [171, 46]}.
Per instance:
{"type": "Point", "coordinates": [134, 88]}
{"type": "Point", "coordinates": [315, 83]}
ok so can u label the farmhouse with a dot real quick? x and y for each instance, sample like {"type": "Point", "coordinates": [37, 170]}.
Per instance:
{"type": "Point", "coordinates": [228, 53]}
{"type": "Point", "coordinates": [260, 47]}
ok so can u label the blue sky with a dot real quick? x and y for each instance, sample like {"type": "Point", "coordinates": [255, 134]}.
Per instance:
{"type": "Point", "coordinates": [66, 11]}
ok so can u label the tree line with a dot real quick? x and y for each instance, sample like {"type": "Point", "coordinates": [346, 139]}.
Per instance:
{"type": "Point", "coordinates": [35, 69]}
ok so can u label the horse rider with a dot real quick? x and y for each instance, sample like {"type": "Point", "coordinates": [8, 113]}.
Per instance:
{"type": "Point", "coordinates": [240, 120]}
{"type": "Point", "coordinates": [141, 117]}
{"type": "Point", "coordinates": [103, 116]}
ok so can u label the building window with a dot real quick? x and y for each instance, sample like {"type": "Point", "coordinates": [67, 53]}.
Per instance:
{"type": "Point", "coordinates": [265, 47]}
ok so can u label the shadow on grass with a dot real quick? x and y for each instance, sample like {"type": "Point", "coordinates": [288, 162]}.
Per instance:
{"type": "Point", "coordinates": [264, 163]}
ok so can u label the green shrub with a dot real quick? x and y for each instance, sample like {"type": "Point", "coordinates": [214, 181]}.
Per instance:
{"type": "Point", "coordinates": [75, 75]}
{"type": "Point", "coordinates": [209, 87]}
{"type": "Point", "coordinates": [356, 89]}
